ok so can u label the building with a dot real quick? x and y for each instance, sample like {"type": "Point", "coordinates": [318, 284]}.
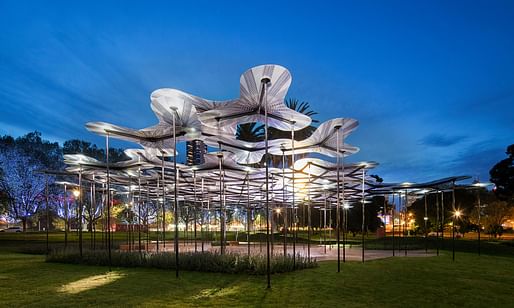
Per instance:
{"type": "Point", "coordinates": [196, 150]}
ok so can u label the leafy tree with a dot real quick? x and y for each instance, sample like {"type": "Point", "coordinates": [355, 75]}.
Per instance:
{"type": "Point", "coordinates": [497, 213]}
{"type": "Point", "coordinates": [22, 183]}
{"type": "Point", "coordinates": [254, 132]}
{"type": "Point", "coordinates": [502, 174]}
{"type": "Point", "coordinates": [3, 201]}
{"type": "Point", "coordinates": [75, 146]}
{"type": "Point", "coordinates": [301, 107]}
{"type": "Point", "coordinates": [251, 132]}
{"type": "Point", "coordinates": [22, 160]}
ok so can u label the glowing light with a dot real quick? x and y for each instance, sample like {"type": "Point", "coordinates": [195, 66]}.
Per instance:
{"type": "Point", "coordinates": [76, 193]}
{"type": "Point", "coordinates": [277, 210]}
{"type": "Point", "coordinates": [457, 213]}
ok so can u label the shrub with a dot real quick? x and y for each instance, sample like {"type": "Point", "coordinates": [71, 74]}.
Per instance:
{"type": "Point", "coordinates": [192, 261]}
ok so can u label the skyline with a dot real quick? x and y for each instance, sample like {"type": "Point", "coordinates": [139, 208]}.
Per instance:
{"type": "Point", "coordinates": [431, 84]}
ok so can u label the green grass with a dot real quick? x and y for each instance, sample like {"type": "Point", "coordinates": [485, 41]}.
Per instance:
{"type": "Point", "coordinates": [470, 281]}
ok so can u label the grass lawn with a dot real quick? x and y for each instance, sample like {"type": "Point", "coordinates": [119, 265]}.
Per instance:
{"type": "Point", "coordinates": [487, 281]}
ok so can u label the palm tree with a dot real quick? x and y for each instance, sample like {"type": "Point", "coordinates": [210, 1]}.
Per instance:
{"type": "Point", "coordinates": [251, 132]}
{"type": "Point", "coordinates": [254, 132]}
{"type": "Point", "coordinates": [302, 107]}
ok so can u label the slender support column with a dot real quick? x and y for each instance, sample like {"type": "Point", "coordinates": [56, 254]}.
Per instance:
{"type": "Point", "coordinates": [93, 216]}
{"type": "Point", "coordinates": [265, 82]}
{"type": "Point", "coordinates": [248, 212]}
{"type": "Point", "coordinates": [442, 218]}
{"type": "Point", "coordinates": [284, 204]}
{"type": "Point", "coordinates": [195, 213]}
{"type": "Point", "coordinates": [163, 194]}
{"type": "Point", "coordinates": [108, 199]}
{"type": "Point", "coordinates": [392, 215]}
{"type": "Point", "coordinates": [202, 230]}
{"type": "Point", "coordinates": [425, 219]}
{"type": "Point", "coordinates": [47, 215]}
{"type": "Point", "coordinates": [175, 191]}
{"type": "Point", "coordinates": [338, 207]}
{"type": "Point", "coordinates": [479, 214]}
{"type": "Point", "coordinates": [363, 212]}
{"type": "Point", "coordinates": [308, 203]}
{"type": "Point", "coordinates": [405, 218]}
{"type": "Point", "coordinates": [437, 221]}
{"type": "Point", "coordinates": [80, 211]}
{"type": "Point", "coordinates": [293, 204]}
{"type": "Point", "coordinates": [454, 220]}
{"type": "Point", "coordinates": [157, 211]}
{"type": "Point", "coordinates": [222, 210]}
{"type": "Point", "coordinates": [66, 220]}
{"type": "Point", "coordinates": [139, 205]}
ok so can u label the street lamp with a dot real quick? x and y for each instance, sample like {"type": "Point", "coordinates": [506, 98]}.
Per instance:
{"type": "Point", "coordinates": [456, 215]}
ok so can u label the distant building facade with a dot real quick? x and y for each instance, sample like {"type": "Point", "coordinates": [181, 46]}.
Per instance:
{"type": "Point", "coordinates": [196, 150]}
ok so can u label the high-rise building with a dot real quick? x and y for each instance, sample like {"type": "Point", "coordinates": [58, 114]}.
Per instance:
{"type": "Point", "coordinates": [196, 149]}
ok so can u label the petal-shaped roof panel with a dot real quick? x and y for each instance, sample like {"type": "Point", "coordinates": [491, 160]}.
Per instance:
{"type": "Point", "coordinates": [169, 105]}
{"type": "Point", "coordinates": [323, 140]}
{"type": "Point", "coordinates": [252, 102]}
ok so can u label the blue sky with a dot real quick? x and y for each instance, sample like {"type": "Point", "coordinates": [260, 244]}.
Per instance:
{"type": "Point", "coordinates": [431, 82]}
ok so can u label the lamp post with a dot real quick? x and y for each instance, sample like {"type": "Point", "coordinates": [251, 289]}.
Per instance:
{"type": "Point", "coordinates": [76, 194]}
{"type": "Point", "coordinates": [456, 216]}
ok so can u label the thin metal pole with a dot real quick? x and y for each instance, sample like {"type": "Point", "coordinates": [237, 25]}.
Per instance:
{"type": "Point", "coordinates": [284, 204]}
{"type": "Point", "coordinates": [93, 203]}
{"type": "Point", "coordinates": [222, 213]}
{"type": "Point", "coordinates": [425, 219]}
{"type": "Point", "coordinates": [139, 204]}
{"type": "Point", "coordinates": [363, 213]}
{"type": "Point", "coordinates": [202, 230]}
{"type": "Point", "coordinates": [453, 239]}
{"type": "Point", "coordinates": [442, 218]}
{"type": "Point", "coordinates": [405, 221]}
{"type": "Point", "coordinates": [392, 215]}
{"type": "Point", "coordinates": [175, 192]}
{"type": "Point", "coordinates": [479, 213]}
{"type": "Point", "coordinates": [338, 209]}
{"type": "Point", "coordinates": [437, 219]}
{"type": "Point", "coordinates": [47, 214]}
{"type": "Point", "coordinates": [163, 182]}
{"type": "Point", "coordinates": [157, 211]}
{"type": "Point", "coordinates": [293, 209]}
{"type": "Point", "coordinates": [248, 213]}
{"type": "Point", "coordinates": [108, 198]}
{"type": "Point", "coordinates": [66, 223]}
{"type": "Point", "coordinates": [195, 212]}
{"type": "Point", "coordinates": [454, 220]}
{"type": "Point", "coordinates": [308, 203]}
{"type": "Point", "coordinates": [80, 211]}
{"type": "Point", "coordinates": [265, 82]}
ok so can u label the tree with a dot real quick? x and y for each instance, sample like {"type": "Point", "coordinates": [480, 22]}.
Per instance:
{"type": "Point", "coordinates": [254, 132]}
{"type": "Point", "coordinates": [75, 146]}
{"type": "Point", "coordinates": [22, 183]}
{"type": "Point", "coordinates": [497, 213]}
{"type": "Point", "coordinates": [502, 175]}
{"type": "Point", "coordinates": [22, 160]}
{"type": "Point", "coordinates": [251, 132]}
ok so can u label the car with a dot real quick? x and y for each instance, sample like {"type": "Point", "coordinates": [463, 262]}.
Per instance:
{"type": "Point", "coordinates": [12, 230]}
